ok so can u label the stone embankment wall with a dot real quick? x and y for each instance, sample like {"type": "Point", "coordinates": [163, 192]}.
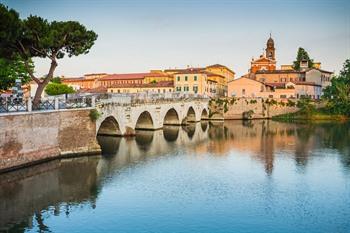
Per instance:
{"type": "Point", "coordinates": [249, 108]}
{"type": "Point", "coordinates": [26, 138]}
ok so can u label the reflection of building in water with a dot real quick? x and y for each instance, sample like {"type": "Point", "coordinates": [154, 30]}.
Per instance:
{"type": "Point", "coordinates": [70, 181]}
{"type": "Point", "coordinates": [261, 138]}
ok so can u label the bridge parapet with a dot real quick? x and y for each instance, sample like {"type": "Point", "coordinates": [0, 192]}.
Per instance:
{"type": "Point", "coordinates": [146, 98]}
{"type": "Point", "coordinates": [123, 114]}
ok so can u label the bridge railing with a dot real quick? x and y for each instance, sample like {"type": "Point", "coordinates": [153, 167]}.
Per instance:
{"type": "Point", "coordinates": [73, 101]}
{"type": "Point", "coordinates": [147, 98]}
{"type": "Point", "coordinates": [11, 105]}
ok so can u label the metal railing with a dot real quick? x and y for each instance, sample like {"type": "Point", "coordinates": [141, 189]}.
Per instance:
{"type": "Point", "coordinates": [9, 104]}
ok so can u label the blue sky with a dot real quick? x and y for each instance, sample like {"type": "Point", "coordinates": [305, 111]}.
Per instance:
{"type": "Point", "coordinates": [136, 36]}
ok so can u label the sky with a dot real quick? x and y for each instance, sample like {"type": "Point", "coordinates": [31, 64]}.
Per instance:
{"type": "Point", "coordinates": [137, 36]}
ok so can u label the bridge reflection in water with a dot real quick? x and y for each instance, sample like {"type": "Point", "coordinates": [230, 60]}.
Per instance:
{"type": "Point", "coordinates": [60, 187]}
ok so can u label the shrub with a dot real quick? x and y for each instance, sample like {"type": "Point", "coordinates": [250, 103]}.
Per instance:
{"type": "Point", "coordinates": [58, 89]}
{"type": "Point", "coordinates": [94, 114]}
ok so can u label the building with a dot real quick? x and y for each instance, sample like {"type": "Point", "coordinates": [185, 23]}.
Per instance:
{"type": "Point", "coordinates": [210, 81]}
{"type": "Point", "coordinates": [193, 81]}
{"type": "Point", "coordinates": [152, 87]}
{"type": "Point", "coordinates": [246, 87]}
{"type": "Point", "coordinates": [216, 76]}
{"type": "Point", "coordinates": [251, 88]}
{"type": "Point", "coordinates": [122, 79]}
{"type": "Point", "coordinates": [88, 81]}
{"type": "Point", "coordinates": [285, 82]}
{"type": "Point", "coordinates": [266, 61]}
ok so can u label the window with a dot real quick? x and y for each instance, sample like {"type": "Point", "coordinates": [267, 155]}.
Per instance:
{"type": "Point", "coordinates": [185, 78]}
{"type": "Point", "coordinates": [195, 89]}
{"type": "Point", "coordinates": [243, 91]}
{"type": "Point", "coordinates": [178, 78]}
{"type": "Point", "coordinates": [283, 96]}
{"type": "Point", "coordinates": [178, 88]}
{"type": "Point", "coordinates": [195, 78]}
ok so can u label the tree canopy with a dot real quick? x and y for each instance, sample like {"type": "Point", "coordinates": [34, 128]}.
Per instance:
{"type": "Point", "coordinates": [58, 89]}
{"type": "Point", "coordinates": [302, 55]}
{"type": "Point", "coordinates": [338, 93]}
{"type": "Point", "coordinates": [10, 70]}
{"type": "Point", "coordinates": [36, 37]}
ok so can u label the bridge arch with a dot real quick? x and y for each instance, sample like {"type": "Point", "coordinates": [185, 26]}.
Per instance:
{"type": "Point", "coordinates": [204, 114]}
{"type": "Point", "coordinates": [109, 126]}
{"type": "Point", "coordinates": [144, 121]}
{"type": "Point", "coordinates": [190, 116]}
{"type": "Point", "coordinates": [171, 117]}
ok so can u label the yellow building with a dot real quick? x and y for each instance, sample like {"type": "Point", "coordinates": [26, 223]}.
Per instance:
{"type": "Point", "coordinates": [157, 76]}
{"type": "Point", "coordinates": [218, 76]}
{"type": "Point", "coordinates": [191, 81]}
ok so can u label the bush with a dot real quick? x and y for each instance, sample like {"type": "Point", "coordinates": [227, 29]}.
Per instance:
{"type": "Point", "coordinates": [58, 89]}
{"type": "Point", "coordinates": [94, 114]}
{"type": "Point", "coordinates": [306, 106]}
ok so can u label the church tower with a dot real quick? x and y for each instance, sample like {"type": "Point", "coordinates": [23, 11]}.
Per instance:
{"type": "Point", "coordinates": [270, 49]}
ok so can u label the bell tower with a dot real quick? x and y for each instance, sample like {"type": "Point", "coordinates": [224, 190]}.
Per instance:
{"type": "Point", "coordinates": [270, 49]}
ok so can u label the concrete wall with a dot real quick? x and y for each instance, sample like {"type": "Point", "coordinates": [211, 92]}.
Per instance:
{"type": "Point", "coordinates": [235, 107]}
{"type": "Point", "coordinates": [32, 137]}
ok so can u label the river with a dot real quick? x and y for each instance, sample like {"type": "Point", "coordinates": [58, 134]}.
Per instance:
{"type": "Point", "coordinates": [237, 176]}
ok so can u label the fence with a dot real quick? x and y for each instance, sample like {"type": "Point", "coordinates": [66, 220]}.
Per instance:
{"type": "Point", "coordinates": [9, 104]}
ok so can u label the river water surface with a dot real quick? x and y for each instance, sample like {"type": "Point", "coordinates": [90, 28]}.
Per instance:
{"type": "Point", "coordinates": [255, 176]}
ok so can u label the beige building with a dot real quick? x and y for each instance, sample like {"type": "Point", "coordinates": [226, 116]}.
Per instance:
{"type": "Point", "coordinates": [153, 87]}
{"type": "Point", "coordinates": [246, 87]}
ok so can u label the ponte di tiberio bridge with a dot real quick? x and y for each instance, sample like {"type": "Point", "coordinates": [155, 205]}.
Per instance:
{"type": "Point", "coordinates": [123, 114]}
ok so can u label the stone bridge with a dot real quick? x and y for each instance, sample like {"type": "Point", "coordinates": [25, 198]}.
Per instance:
{"type": "Point", "coordinates": [123, 115]}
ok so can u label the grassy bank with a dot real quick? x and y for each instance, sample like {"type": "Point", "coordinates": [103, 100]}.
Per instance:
{"type": "Point", "coordinates": [316, 115]}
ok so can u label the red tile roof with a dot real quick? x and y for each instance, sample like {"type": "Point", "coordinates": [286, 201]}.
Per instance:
{"type": "Point", "coordinates": [220, 66]}
{"type": "Point", "coordinates": [94, 90]}
{"type": "Point", "coordinates": [130, 76]}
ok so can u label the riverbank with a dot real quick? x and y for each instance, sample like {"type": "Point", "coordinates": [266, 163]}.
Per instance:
{"type": "Point", "coordinates": [318, 115]}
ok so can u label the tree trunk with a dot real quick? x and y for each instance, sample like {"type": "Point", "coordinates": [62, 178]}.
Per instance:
{"type": "Point", "coordinates": [42, 84]}
{"type": "Point", "coordinates": [38, 93]}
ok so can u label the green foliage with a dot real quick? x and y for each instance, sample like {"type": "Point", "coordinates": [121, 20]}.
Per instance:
{"type": "Point", "coordinates": [154, 81]}
{"type": "Point", "coordinates": [56, 80]}
{"type": "Point", "coordinates": [36, 37]}
{"type": "Point", "coordinates": [10, 70]}
{"type": "Point", "coordinates": [94, 114]}
{"type": "Point", "coordinates": [225, 107]}
{"type": "Point", "coordinates": [306, 106]}
{"type": "Point", "coordinates": [58, 89]}
{"type": "Point", "coordinates": [301, 56]}
{"type": "Point", "coordinates": [338, 94]}
{"type": "Point", "coordinates": [271, 102]}
{"type": "Point", "coordinates": [253, 101]}
{"type": "Point", "coordinates": [232, 101]}
{"type": "Point", "coordinates": [290, 103]}
{"type": "Point", "coordinates": [247, 115]}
